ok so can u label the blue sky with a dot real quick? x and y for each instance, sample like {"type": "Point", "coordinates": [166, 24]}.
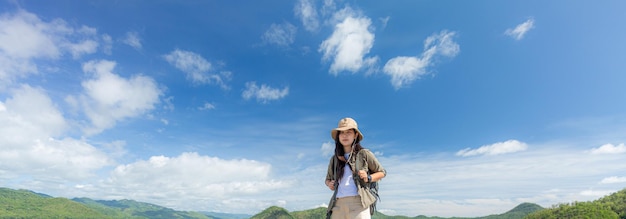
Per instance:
{"type": "Point", "coordinates": [473, 107]}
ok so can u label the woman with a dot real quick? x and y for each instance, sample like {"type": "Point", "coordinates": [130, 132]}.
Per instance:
{"type": "Point", "coordinates": [350, 171]}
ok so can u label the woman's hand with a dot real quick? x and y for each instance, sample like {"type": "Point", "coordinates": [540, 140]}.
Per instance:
{"type": "Point", "coordinates": [330, 184]}
{"type": "Point", "coordinates": [363, 175]}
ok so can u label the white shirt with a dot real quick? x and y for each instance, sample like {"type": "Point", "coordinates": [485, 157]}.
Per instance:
{"type": "Point", "coordinates": [346, 184]}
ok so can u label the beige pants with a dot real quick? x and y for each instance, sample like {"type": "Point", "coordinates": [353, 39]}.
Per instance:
{"type": "Point", "coordinates": [350, 208]}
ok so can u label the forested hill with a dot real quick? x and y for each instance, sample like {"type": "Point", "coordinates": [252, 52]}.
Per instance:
{"type": "Point", "coordinates": [609, 207]}
{"type": "Point", "coordinates": [274, 212]}
{"type": "Point", "coordinates": [27, 204]}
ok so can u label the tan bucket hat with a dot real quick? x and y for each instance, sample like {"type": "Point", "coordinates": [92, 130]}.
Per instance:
{"type": "Point", "coordinates": [346, 124]}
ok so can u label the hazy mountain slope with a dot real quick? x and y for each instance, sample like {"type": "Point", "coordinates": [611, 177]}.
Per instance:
{"type": "Point", "coordinates": [27, 204]}
{"type": "Point", "coordinates": [609, 207]}
{"type": "Point", "coordinates": [134, 209]}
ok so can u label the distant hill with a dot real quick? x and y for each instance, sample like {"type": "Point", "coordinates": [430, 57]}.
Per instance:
{"type": "Point", "coordinates": [310, 214]}
{"type": "Point", "coordinates": [226, 215]}
{"type": "Point", "coordinates": [609, 207]}
{"type": "Point", "coordinates": [134, 209]}
{"type": "Point", "coordinates": [274, 212]}
{"type": "Point", "coordinates": [28, 204]}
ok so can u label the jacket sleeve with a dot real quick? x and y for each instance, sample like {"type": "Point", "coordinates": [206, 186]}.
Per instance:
{"type": "Point", "coordinates": [372, 163]}
{"type": "Point", "coordinates": [331, 171]}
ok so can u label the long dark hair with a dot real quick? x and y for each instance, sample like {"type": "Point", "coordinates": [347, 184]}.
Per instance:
{"type": "Point", "coordinates": [339, 152]}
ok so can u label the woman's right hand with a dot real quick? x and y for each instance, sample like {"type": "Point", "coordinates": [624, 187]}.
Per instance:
{"type": "Point", "coordinates": [331, 184]}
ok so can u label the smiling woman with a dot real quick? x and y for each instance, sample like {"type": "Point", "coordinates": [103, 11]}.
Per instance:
{"type": "Point", "coordinates": [350, 172]}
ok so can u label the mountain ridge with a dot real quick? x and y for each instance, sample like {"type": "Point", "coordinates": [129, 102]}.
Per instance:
{"type": "Point", "coordinates": [23, 203]}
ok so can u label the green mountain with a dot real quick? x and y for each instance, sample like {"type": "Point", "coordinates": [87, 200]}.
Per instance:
{"type": "Point", "coordinates": [520, 211]}
{"type": "Point", "coordinates": [609, 207]}
{"type": "Point", "coordinates": [27, 204]}
{"type": "Point", "coordinates": [226, 215]}
{"type": "Point", "coordinates": [274, 212]}
{"type": "Point", "coordinates": [316, 213]}
{"type": "Point", "coordinates": [134, 209]}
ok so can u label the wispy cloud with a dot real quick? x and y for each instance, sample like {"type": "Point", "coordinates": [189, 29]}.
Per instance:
{"type": "Point", "coordinates": [613, 179]}
{"type": "Point", "coordinates": [506, 147]}
{"type": "Point", "coordinates": [595, 193]}
{"type": "Point", "coordinates": [306, 11]}
{"type": "Point", "coordinates": [328, 148]}
{"type": "Point", "coordinates": [132, 39]}
{"type": "Point", "coordinates": [280, 34]}
{"type": "Point", "coordinates": [264, 93]}
{"type": "Point", "coordinates": [384, 21]}
{"type": "Point", "coordinates": [609, 149]}
{"type": "Point", "coordinates": [86, 46]}
{"type": "Point", "coordinates": [197, 69]}
{"type": "Point", "coordinates": [520, 30]}
{"type": "Point", "coordinates": [107, 44]}
{"type": "Point", "coordinates": [406, 69]}
{"type": "Point", "coordinates": [207, 106]}
{"type": "Point", "coordinates": [349, 44]}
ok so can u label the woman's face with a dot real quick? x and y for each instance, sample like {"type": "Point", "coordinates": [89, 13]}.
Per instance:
{"type": "Point", "coordinates": [347, 137]}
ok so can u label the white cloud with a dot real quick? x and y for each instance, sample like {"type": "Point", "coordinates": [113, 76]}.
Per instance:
{"type": "Point", "coordinates": [132, 39]}
{"type": "Point", "coordinates": [596, 193]}
{"type": "Point", "coordinates": [32, 111]}
{"type": "Point", "coordinates": [520, 30]}
{"type": "Point", "coordinates": [207, 106]}
{"type": "Point", "coordinates": [506, 147]}
{"type": "Point", "coordinates": [107, 44]}
{"type": "Point", "coordinates": [328, 8]}
{"type": "Point", "coordinates": [81, 48]}
{"type": "Point", "coordinates": [306, 11]}
{"type": "Point", "coordinates": [109, 97]}
{"type": "Point", "coordinates": [406, 69]}
{"type": "Point", "coordinates": [29, 123]}
{"type": "Point", "coordinates": [384, 21]}
{"type": "Point", "coordinates": [24, 37]}
{"type": "Point", "coordinates": [264, 93]}
{"type": "Point", "coordinates": [280, 34]}
{"type": "Point", "coordinates": [191, 181]}
{"type": "Point", "coordinates": [546, 175]}
{"type": "Point", "coordinates": [610, 149]}
{"type": "Point", "coordinates": [613, 179]}
{"type": "Point", "coordinates": [328, 148]}
{"type": "Point", "coordinates": [350, 42]}
{"type": "Point", "coordinates": [198, 69]}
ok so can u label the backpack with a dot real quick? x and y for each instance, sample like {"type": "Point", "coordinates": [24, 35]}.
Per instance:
{"type": "Point", "coordinates": [372, 188]}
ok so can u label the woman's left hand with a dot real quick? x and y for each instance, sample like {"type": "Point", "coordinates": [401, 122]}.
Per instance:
{"type": "Point", "coordinates": [363, 175]}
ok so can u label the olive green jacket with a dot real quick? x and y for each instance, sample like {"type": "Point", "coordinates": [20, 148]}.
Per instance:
{"type": "Point", "coordinates": [365, 160]}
